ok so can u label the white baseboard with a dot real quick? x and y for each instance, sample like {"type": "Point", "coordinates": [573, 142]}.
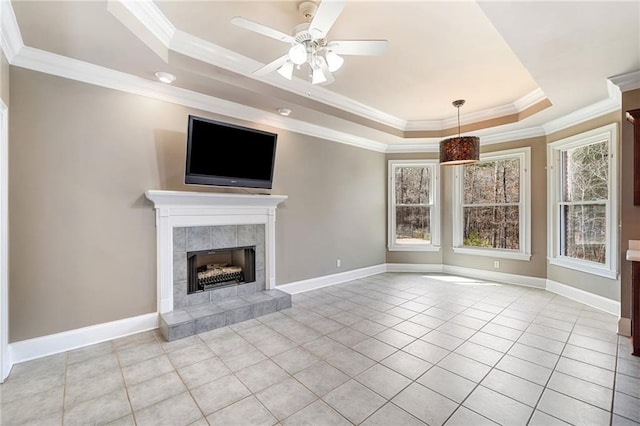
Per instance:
{"type": "Point", "coordinates": [61, 342]}
{"type": "Point", "coordinates": [495, 276]}
{"type": "Point", "coordinates": [593, 300]}
{"type": "Point", "coordinates": [413, 267]}
{"type": "Point", "coordinates": [327, 280]}
{"type": "Point", "coordinates": [37, 347]}
{"type": "Point", "coordinates": [7, 364]}
{"type": "Point", "coordinates": [624, 327]}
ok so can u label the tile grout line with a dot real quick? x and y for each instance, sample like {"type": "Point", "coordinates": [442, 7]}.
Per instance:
{"type": "Point", "coordinates": [478, 384]}
{"type": "Point", "coordinates": [545, 387]}
{"type": "Point", "coordinates": [175, 368]}
{"type": "Point", "coordinates": [553, 371]}
{"type": "Point", "coordinates": [615, 379]}
{"type": "Point", "coordinates": [124, 381]}
{"type": "Point", "coordinates": [64, 386]}
{"type": "Point", "coordinates": [450, 352]}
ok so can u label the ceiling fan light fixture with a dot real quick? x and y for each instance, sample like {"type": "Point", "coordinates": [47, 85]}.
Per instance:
{"type": "Point", "coordinates": [298, 54]}
{"type": "Point", "coordinates": [334, 61]}
{"type": "Point", "coordinates": [308, 45]}
{"type": "Point", "coordinates": [286, 70]}
{"type": "Point", "coordinates": [461, 149]}
{"type": "Point", "coordinates": [318, 76]}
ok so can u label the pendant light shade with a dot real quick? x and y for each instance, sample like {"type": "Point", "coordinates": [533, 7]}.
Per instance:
{"type": "Point", "coordinates": [460, 149]}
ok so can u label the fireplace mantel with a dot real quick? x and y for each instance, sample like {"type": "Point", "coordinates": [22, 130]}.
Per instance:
{"type": "Point", "coordinates": [182, 199]}
{"type": "Point", "coordinates": [183, 209]}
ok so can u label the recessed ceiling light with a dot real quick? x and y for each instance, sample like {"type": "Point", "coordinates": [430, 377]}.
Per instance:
{"type": "Point", "coordinates": [284, 111]}
{"type": "Point", "coordinates": [165, 77]}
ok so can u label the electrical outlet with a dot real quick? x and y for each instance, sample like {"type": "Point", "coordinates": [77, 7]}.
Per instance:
{"type": "Point", "coordinates": [496, 264]}
{"type": "Point", "coordinates": [338, 263]}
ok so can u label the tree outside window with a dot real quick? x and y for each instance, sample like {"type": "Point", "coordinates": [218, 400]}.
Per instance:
{"type": "Point", "coordinates": [491, 208]}
{"type": "Point", "coordinates": [491, 214]}
{"type": "Point", "coordinates": [412, 198]}
{"type": "Point", "coordinates": [583, 207]}
{"type": "Point", "coordinates": [582, 203]}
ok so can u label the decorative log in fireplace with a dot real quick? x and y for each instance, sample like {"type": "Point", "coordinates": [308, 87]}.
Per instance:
{"type": "Point", "coordinates": [209, 269]}
{"type": "Point", "coordinates": [214, 273]}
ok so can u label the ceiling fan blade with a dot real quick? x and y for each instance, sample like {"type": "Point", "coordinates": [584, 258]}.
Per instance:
{"type": "Point", "coordinates": [325, 17]}
{"type": "Point", "coordinates": [271, 66]}
{"type": "Point", "coordinates": [261, 29]}
{"type": "Point", "coordinates": [358, 47]}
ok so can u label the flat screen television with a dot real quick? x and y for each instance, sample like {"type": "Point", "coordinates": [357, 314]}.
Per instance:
{"type": "Point", "coordinates": [224, 154]}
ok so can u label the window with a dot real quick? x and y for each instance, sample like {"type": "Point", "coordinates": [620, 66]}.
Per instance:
{"type": "Point", "coordinates": [491, 206]}
{"type": "Point", "coordinates": [414, 223]}
{"type": "Point", "coordinates": [582, 203]}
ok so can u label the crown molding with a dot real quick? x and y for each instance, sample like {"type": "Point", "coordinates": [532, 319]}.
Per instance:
{"type": "Point", "coordinates": [194, 47]}
{"type": "Point", "coordinates": [11, 39]}
{"type": "Point", "coordinates": [514, 135]}
{"type": "Point", "coordinates": [628, 81]}
{"type": "Point", "coordinates": [62, 66]}
{"type": "Point", "coordinates": [146, 22]}
{"type": "Point", "coordinates": [413, 148]}
{"type": "Point", "coordinates": [518, 106]}
{"type": "Point", "coordinates": [587, 113]}
{"type": "Point", "coordinates": [151, 17]}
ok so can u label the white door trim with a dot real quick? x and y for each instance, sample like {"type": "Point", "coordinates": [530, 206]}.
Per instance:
{"type": "Point", "coordinates": [5, 359]}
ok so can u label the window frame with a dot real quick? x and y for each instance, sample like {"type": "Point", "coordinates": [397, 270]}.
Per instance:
{"type": "Point", "coordinates": [554, 193]}
{"type": "Point", "coordinates": [524, 253]}
{"type": "Point", "coordinates": [434, 206]}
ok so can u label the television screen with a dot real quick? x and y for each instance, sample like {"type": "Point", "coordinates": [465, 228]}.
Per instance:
{"type": "Point", "coordinates": [225, 154]}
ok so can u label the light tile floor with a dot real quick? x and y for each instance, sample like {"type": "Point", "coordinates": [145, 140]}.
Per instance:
{"type": "Point", "coordinates": [392, 349]}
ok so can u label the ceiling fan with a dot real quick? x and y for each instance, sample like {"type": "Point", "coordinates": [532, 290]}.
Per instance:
{"type": "Point", "coordinates": [309, 44]}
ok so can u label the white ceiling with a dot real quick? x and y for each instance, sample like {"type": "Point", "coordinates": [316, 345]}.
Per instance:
{"type": "Point", "coordinates": [502, 57]}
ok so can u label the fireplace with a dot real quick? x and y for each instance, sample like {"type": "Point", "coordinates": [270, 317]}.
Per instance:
{"type": "Point", "coordinates": [213, 269]}
{"type": "Point", "coordinates": [193, 221]}
{"type": "Point", "coordinates": [189, 224]}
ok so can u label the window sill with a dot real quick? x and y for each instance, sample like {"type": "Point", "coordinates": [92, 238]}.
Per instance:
{"type": "Point", "coordinates": [583, 266]}
{"type": "Point", "coordinates": [503, 254]}
{"type": "Point", "coordinates": [413, 248]}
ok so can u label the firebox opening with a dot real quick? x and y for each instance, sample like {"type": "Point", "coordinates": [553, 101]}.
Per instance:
{"type": "Point", "coordinates": [209, 269]}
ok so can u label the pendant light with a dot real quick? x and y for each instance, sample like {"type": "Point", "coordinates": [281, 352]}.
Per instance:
{"type": "Point", "coordinates": [460, 149]}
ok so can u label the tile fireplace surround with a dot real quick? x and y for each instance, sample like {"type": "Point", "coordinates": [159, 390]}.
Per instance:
{"type": "Point", "coordinates": [180, 212]}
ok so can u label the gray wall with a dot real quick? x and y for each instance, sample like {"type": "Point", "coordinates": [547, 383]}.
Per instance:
{"type": "Point", "coordinates": [336, 208]}
{"type": "Point", "coordinates": [82, 236]}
